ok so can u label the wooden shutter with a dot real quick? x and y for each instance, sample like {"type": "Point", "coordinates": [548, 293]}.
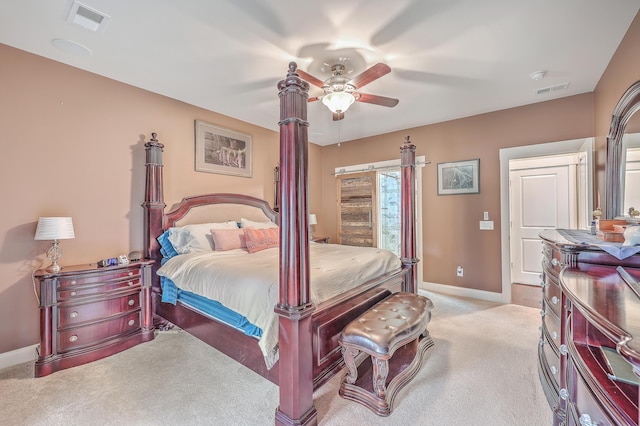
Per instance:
{"type": "Point", "coordinates": [357, 224]}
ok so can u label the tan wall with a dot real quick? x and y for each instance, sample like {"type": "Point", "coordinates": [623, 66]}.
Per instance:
{"type": "Point", "coordinates": [451, 234]}
{"type": "Point", "coordinates": [72, 144]}
{"type": "Point", "coordinates": [622, 72]}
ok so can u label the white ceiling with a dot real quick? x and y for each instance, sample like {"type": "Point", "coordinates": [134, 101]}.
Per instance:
{"type": "Point", "coordinates": [449, 58]}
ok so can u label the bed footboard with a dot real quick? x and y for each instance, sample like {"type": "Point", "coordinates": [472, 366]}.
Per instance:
{"type": "Point", "coordinates": [327, 322]}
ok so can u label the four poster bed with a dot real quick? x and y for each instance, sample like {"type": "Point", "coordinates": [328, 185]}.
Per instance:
{"type": "Point", "coordinates": [307, 318]}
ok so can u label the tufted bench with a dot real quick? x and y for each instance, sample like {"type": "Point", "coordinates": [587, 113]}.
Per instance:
{"type": "Point", "coordinates": [394, 334]}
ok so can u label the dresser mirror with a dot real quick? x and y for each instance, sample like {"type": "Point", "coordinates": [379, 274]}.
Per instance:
{"type": "Point", "coordinates": [623, 156]}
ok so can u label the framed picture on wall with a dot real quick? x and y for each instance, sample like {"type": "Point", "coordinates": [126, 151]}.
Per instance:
{"type": "Point", "coordinates": [220, 150]}
{"type": "Point", "coordinates": [459, 177]}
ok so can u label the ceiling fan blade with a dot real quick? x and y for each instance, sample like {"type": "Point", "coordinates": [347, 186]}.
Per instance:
{"type": "Point", "coordinates": [377, 100]}
{"type": "Point", "coordinates": [338, 116]}
{"type": "Point", "coordinates": [367, 76]}
{"type": "Point", "coordinates": [310, 79]}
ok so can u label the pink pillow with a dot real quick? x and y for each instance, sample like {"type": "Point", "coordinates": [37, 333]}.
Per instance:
{"type": "Point", "coordinates": [260, 239]}
{"type": "Point", "coordinates": [228, 239]}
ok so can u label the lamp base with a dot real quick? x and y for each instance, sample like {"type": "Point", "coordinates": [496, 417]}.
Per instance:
{"type": "Point", "coordinates": [54, 268]}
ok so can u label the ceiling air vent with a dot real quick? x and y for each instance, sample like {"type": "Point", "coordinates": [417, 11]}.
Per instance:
{"type": "Point", "coordinates": [87, 17]}
{"type": "Point", "coordinates": [551, 89]}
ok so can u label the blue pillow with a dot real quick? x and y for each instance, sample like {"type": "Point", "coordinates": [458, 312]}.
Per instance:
{"type": "Point", "coordinates": [166, 248]}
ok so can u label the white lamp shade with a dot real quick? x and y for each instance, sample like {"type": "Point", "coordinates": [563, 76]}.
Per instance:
{"type": "Point", "coordinates": [338, 101]}
{"type": "Point", "coordinates": [54, 228]}
{"type": "Point", "coordinates": [313, 220]}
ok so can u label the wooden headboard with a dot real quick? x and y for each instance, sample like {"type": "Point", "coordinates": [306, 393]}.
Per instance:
{"type": "Point", "coordinates": [219, 208]}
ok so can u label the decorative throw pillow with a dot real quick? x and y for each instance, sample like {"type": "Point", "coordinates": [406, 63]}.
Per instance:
{"type": "Point", "coordinates": [228, 239]}
{"type": "Point", "coordinates": [246, 223]}
{"type": "Point", "coordinates": [197, 237]}
{"type": "Point", "coordinates": [260, 239]}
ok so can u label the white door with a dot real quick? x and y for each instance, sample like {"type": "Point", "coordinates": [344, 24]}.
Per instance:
{"type": "Point", "coordinates": [543, 196]}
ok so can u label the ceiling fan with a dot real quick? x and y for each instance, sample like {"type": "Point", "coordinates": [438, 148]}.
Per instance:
{"type": "Point", "coordinates": [341, 91]}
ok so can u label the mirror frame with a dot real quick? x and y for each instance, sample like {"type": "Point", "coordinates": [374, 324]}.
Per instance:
{"type": "Point", "coordinates": [628, 104]}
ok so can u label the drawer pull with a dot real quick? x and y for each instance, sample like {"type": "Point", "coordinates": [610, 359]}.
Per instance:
{"type": "Point", "coordinates": [555, 262]}
{"type": "Point", "coordinates": [563, 393]}
{"type": "Point", "coordinates": [73, 282]}
{"type": "Point", "coordinates": [554, 335]}
{"type": "Point", "coordinates": [554, 370]}
{"type": "Point", "coordinates": [73, 314]}
{"type": "Point", "coordinates": [554, 300]}
{"type": "Point", "coordinates": [130, 283]}
{"type": "Point", "coordinates": [542, 313]}
{"type": "Point", "coordinates": [130, 273]}
{"type": "Point", "coordinates": [73, 338]}
{"type": "Point", "coordinates": [73, 293]}
{"type": "Point", "coordinates": [585, 420]}
{"type": "Point", "coordinates": [131, 302]}
{"type": "Point", "coordinates": [131, 322]}
{"type": "Point", "coordinates": [563, 349]}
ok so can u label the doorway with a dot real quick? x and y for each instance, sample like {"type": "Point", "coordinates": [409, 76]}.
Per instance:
{"type": "Point", "coordinates": [380, 210]}
{"type": "Point", "coordinates": [544, 195]}
{"type": "Point", "coordinates": [583, 149]}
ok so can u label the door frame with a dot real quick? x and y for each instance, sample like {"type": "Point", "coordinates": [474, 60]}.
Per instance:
{"type": "Point", "coordinates": [585, 145]}
{"type": "Point", "coordinates": [421, 161]}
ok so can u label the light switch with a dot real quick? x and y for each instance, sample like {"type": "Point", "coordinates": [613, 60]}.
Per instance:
{"type": "Point", "coordinates": [486, 225]}
{"type": "Point", "coordinates": [486, 216]}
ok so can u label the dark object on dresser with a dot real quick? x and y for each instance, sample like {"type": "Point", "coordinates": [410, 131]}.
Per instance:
{"type": "Point", "coordinates": [586, 306]}
{"type": "Point", "coordinates": [394, 334]}
{"type": "Point", "coordinates": [89, 312]}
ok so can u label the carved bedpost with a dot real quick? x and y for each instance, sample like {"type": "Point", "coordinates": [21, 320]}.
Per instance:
{"type": "Point", "coordinates": [153, 204]}
{"type": "Point", "coordinates": [408, 214]}
{"type": "Point", "coordinates": [294, 307]}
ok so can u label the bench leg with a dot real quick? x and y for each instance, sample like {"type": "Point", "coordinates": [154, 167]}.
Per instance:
{"type": "Point", "coordinates": [349, 355]}
{"type": "Point", "coordinates": [380, 372]}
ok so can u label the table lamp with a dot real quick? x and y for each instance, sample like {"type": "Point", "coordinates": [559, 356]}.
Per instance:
{"type": "Point", "coordinates": [54, 228]}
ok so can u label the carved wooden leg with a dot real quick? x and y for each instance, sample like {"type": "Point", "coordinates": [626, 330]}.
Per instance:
{"type": "Point", "coordinates": [349, 355]}
{"type": "Point", "coordinates": [380, 372]}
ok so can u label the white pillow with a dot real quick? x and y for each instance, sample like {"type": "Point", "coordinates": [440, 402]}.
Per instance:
{"type": "Point", "coordinates": [246, 223]}
{"type": "Point", "coordinates": [192, 238]}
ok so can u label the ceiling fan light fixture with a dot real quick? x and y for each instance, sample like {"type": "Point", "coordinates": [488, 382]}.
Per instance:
{"type": "Point", "coordinates": [338, 101]}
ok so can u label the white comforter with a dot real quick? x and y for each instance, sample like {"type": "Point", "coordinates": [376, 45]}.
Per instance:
{"type": "Point", "coordinates": [249, 283]}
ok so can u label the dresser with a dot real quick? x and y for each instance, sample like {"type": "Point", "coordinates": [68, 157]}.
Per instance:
{"type": "Point", "coordinates": [588, 312]}
{"type": "Point", "coordinates": [89, 312]}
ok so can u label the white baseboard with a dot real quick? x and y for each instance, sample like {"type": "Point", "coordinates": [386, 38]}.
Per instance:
{"type": "Point", "coordinates": [18, 356]}
{"type": "Point", "coordinates": [463, 292]}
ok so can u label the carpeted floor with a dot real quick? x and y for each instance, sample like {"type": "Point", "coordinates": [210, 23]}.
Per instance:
{"type": "Point", "coordinates": [481, 371]}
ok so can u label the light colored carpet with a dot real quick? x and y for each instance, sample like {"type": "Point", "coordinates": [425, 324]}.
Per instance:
{"type": "Point", "coordinates": [481, 371]}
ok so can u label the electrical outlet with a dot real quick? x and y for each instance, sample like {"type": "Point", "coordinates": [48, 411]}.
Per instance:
{"type": "Point", "coordinates": [459, 271]}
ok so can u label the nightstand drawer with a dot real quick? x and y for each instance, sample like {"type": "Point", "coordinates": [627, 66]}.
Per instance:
{"type": "Point", "coordinates": [92, 334]}
{"type": "Point", "coordinates": [98, 276]}
{"type": "Point", "coordinates": [85, 312]}
{"type": "Point", "coordinates": [98, 288]}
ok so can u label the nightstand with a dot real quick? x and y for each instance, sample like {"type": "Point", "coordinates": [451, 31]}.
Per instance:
{"type": "Point", "coordinates": [321, 240]}
{"type": "Point", "coordinates": [89, 312]}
